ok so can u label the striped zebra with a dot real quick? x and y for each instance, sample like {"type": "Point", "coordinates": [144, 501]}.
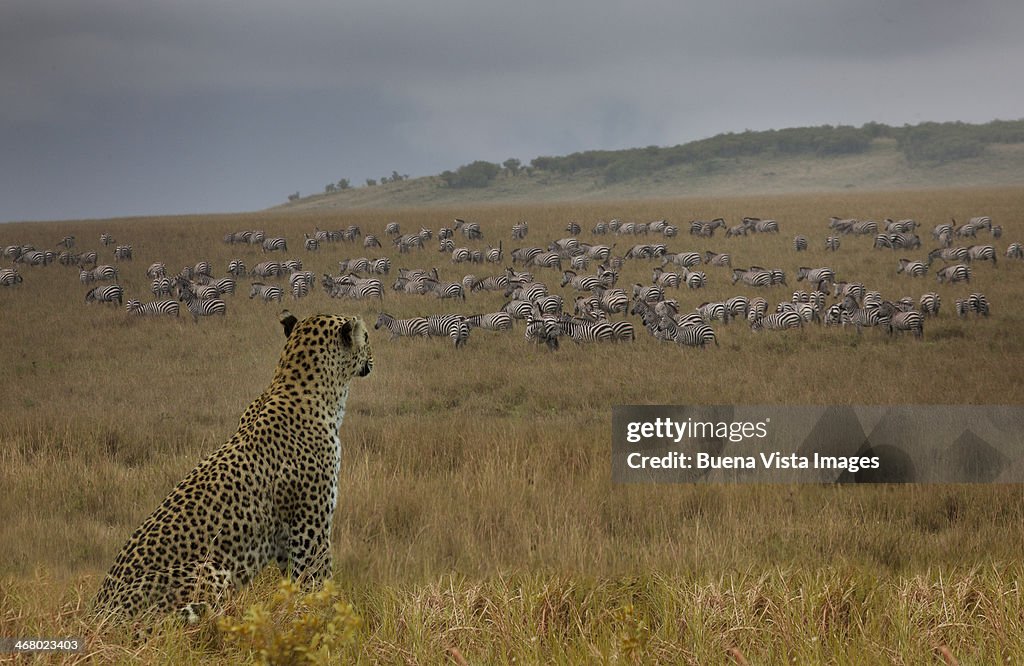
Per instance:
{"type": "Point", "coordinates": [807, 311]}
{"type": "Point", "coordinates": [694, 279]}
{"type": "Point", "coordinates": [907, 321]}
{"type": "Point", "coordinates": [597, 252]}
{"type": "Point", "coordinates": [448, 325]}
{"type": "Point", "coordinates": [110, 293]}
{"type": "Point", "coordinates": [276, 244]}
{"type": "Point", "coordinates": [882, 241]}
{"type": "Point", "coordinates": [581, 282]}
{"type": "Point", "coordinates": [716, 259]}
{"type": "Point", "coordinates": [224, 285]}
{"type": "Point", "coordinates": [406, 242]}
{"type": "Point", "coordinates": [200, 307]}
{"type": "Point", "coordinates": [460, 255]}
{"type": "Point", "coordinates": [580, 262]}
{"type": "Point", "coordinates": [545, 260]}
{"type": "Point", "coordinates": [1015, 251]}
{"type": "Point", "coordinates": [236, 267]}
{"type": "Point", "coordinates": [670, 231]}
{"type": "Point", "coordinates": [445, 245]}
{"type": "Point", "coordinates": [981, 253]}
{"type": "Point", "coordinates": [710, 312]}
{"type": "Point", "coordinates": [665, 279]}
{"type": "Point", "coordinates": [369, 240]}
{"type": "Point", "coordinates": [949, 254]}
{"type": "Point", "coordinates": [155, 308]}
{"type": "Point", "coordinates": [123, 253]}
{"type": "Point", "coordinates": [491, 283]}
{"type": "Point", "coordinates": [300, 284]}
{"type": "Point", "coordinates": [552, 304]}
{"type": "Point", "coordinates": [800, 243]}
{"type": "Point", "coordinates": [35, 258]}
{"type": "Point", "coordinates": [233, 237]}
{"type": "Point", "coordinates": [906, 241]}
{"type": "Point", "coordinates": [777, 322]}
{"type": "Point", "coordinates": [106, 239]}
{"type": "Point", "coordinates": [519, 230]}
{"type": "Point", "coordinates": [852, 315]}
{"type": "Point", "coordinates": [763, 226]}
{"type": "Point", "coordinates": [967, 230]}
{"type": "Point", "coordinates": [351, 287]}
{"type": "Point", "coordinates": [600, 229]}
{"type": "Point", "coordinates": [697, 335]}
{"type": "Point", "coordinates": [954, 273]}
{"type": "Point", "coordinates": [352, 232]}
{"type": "Point", "coordinates": [930, 304]}
{"type": "Point", "coordinates": [289, 266]}
{"type": "Point", "coordinates": [448, 290]}
{"type": "Point", "coordinates": [821, 277]}
{"type": "Point", "coordinates": [266, 292]}
{"type": "Point", "coordinates": [738, 307]}
{"type": "Point", "coordinates": [546, 330]}
{"type": "Point", "coordinates": [683, 259]}
{"type": "Point", "coordinates": [492, 321]}
{"type": "Point", "coordinates": [68, 242]}
{"type": "Point", "coordinates": [854, 289]}
{"type": "Point", "coordinates": [494, 255]}
{"type": "Point", "coordinates": [266, 269]}
{"type": "Point", "coordinates": [310, 244]}
{"type": "Point", "coordinates": [649, 293]}
{"type": "Point", "coordinates": [580, 331]}
{"type": "Point", "coordinates": [752, 277]}
{"type": "Point", "coordinates": [9, 277]}
{"type": "Point", "coordinates": [392, 229]}
{"type": "Point", "coordinates": [156, 269]}
{"type": "Point", "coordinates": [976, 303]}
{"type": "Point", "coordinates": [640, 251]}
{"type": "Point", "coordinates": [518, 309]}
{"type": "Point", "coordinates": [161, 286]}
{"type": "Point", "coordinates": [574, 228]}
{"type": "Point", "coordinates": [832, 243]}
{"type": "Point", "coordinates": [900, 227]}
{"type": "Point", "coordinates": [380, 266]}
{"type": "Point", "coordinates": [864, 228]}
{"type": "Point", "coordinates": [101, 272]}
{"type": "Point", "coordinates": [357, 265]}
{"type": "Point", "coordinates": [943, 233]}
{"type": "Point", "coordinates": [525, 254]}
{"type": "Point", "coordinates": [470, 230]}
{"type": "Point", "coordinates": [912, 268]}
{"type": "Point", "coordinates": [414, 326]}
{"type": "Point", "coordinates": [612, 301]}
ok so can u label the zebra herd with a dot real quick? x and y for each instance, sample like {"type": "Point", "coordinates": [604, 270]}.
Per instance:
{"type": "Point", "coordinates": [585, 303]}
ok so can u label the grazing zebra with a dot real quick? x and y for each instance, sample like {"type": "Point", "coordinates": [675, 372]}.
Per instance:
{"type": "Point", "coordinates": [716, 259]}
{"type": "Point", "coordinates": [580, 262]}
{"type": "Point", "coordinates": [580, 330]}
{"type": "Point", "coordinates": [236, 267]}
{"type": "Point", "coordinates": [651, 294]}
{"type": "Point", "coordinates": [822, 277]}
{"type": "Point", "coordinates": [415, 326]}
{"type": "Point", "coordinates": [694, 279]}
{"type": "Point", "coordinates": [266, 292]}
{"type": "Point", "coordinates": [943, 233]}
{"type": "Point", "coordinates": [111, 293]}
{"type": "Point", "coordinates": [664, 279]}
{"type": "Point", "coordinates": [266, 269]}
{"type": "Point", "coordinates": [949, 254]}
{"type": "Point", "coordinates": [738, 307]}
{"type": "Point", "coordinates": [954, 273]}
{"type": "Point", "coordinates": [904, 241]}
{"type": "Point", "coordinates": [86, 258]}
{"type": "Point", "coordinates": [694, 335]}
{"type": "Point", "coordinates": [853, 289]}
{"type": "Point", "coordinates": [470, 230]}
{"type": "Point", "coordinates": [800, 243]}
{"type": "Point", "coordinates": [490, 283]}
{"type": "Point", "coordinates": [369, 240]}
{"type": "Point", "coordinates": [311, 244]}
{"type": "Point", "coordinates": [762, 226]}
{"type": "Point", "coordinates": [101, 272]}
{"type": "Point", "coordinates": [380, 266]}
{"type": "Point", "coordinates": [930, 303]}
{"type": "Point", "coordinates": [518, 309]}
{"type": "Point", "coordinates": [907, 321]}
{"type": "Point", "coordinates": [612, 301]}
{"type": "Point", "coordinates": [169, 308]}
{"type": "Point", "coordinates": [807, 311]}
{"type": "Point", "coordinates": [33, 258]}
{"type": "Point", "coordinates": [861, 317]}
{"type": "Point", "coordinates": [357, 288]}
{"type": "Point", "coordinates": [495, 255]}
{"type": "Point", "coordinates": [106, 239]}
{"type": "Point", "coordinates": [450, 325]}
{"type": "Point", "coordinates": [752, 277]}
{"type": "Point", "coordinates": [581, 282]}
{"type": "Point", "coordinates": [545, 260]}
{"type": "Point", "coordinates": [224, 285]}
{"type": "Point", "coordinates": [161, 286]}
{"type": "Point", "coordinates": [519, 230]}
{"type": "Point", "coordinates": [981, 253]}
{"type": "Point", "coordinates": [461, 254]}
{"type": "Point", "coordinates": [301, 284]}
{"type": "Point", "coordinates": [276, 244]}
{"type": "Point", "coordinates": [1015, 251]}
{"type": "Point", "coordinates": [966, 230]}
{"type": "Point", "coordinates": [406, 242]}
{"type": "Point", "coordinates": [997, 231]}
{"type": "Point", "coordinates": [574, 228]}
{"type": "Point", "coordinates": [548, 304]}
{"type": "Point", "coordinates": [600, 229]}
{"type": "Point", "coordinates": [546, 330]}
{"type": "Point", "coordinates": [9, 277]}
{"type": "Point", "coordinates": [201, 307]}
{"type": "Point", "coordinates": [710, 312]}
{"type": "Point", "coordinates": [777, 321]}
{"type": "Point", "coordinates": [976, 303]}
{"type": "Point", "coordinates": [123, 253]}
{"type": "Point", "coordinates": [683, 259]}
{"type": "Point", "coordinates": [832, 243]}
{"type": "Point", "coordinates": [912, 268]}
{"type": "Point", "coordinates": [525, 254]}
{"type": "Point", "coordinates": [597, 252]}
{"type": "Point", "coordinates": [68, 242]}
{"type": "Point", "coordinates": [493, 321]}
{"type": "Point", "coordinates": [392, 229]}
{"type": "Point", "coordinates": [448, 290]}
{"type": "Point", "coordinates": [357, 265]}
{"type": "Point", "coordinates": [156, 269]}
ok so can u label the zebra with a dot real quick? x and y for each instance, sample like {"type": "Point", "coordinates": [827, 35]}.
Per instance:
{"type": "Point", "coordinates": [548, 304]}
{"type": "Point", "coordinates": [357, 265]}
{"type": "Point", "coordinates": [912, 268]}
{"type": "Point", "coordinates": [111, 293]}
{"type": "Point", "coordinates": [716, 259]}
{"type": "Point", "coordinates": [545, 260]}
{"type": "Point", "coordinates": [670, 231]}
{"type": "Point", "coordinates": [581, 282]}
{"type": "Point", "coordinates": [807, 311]}
{"type": "Point", "coordinates": [525, 254]}
{"type": "Point", "coordinates": [300, 284]}
{"type": "Point", "coordinates": [236, 267]}
{"type": "Point", "coordinates": [904, 241]}
{"type": "Point", "coordinates": [930, 303]}
{"type": "Point", "coordinates": [519, 230]}
{"type": "Point", "coordinates": [380, 266]}
{"type": "Point", "coordinates": [369, 240]}
{"type": "Point", "coordinates": [752, 277]}
{"type": "Point", "coordinates": [612, 301]}
{"type": "Point", "coordinates": [498, 282]}
{"type": "Point", "coordinates": [764, 226]}
{"type": "Point", "coordinates": [495, 255]}
{"type": "Point", "coordinates": [651, 294]}
{"type": "Point", "coordinates": [587, 331]}
{"type": "Point", "coordinates": [266, 292]}
{"type": "Point", "coordinates": [200, 307]}
{"type": "Point", "coordinates": [800, 243]}
{"type": "Point", "coordinates": [161, 286]}
{"type": "Point", "coordinates": [976, 303]}
{"type": "Point", "coordinates": [943, 233]}
{"type": "Point", "coordinates": [106, 239]}
{"type": "Point", "coordinates": [981, 253]}
{"type": "Point", "coordinates": [460, 254]}
{"type": "Point", "coordinates": [169, 308]}
{"type": "Point", "coordinates": [470, 230]}
{"type": "Point", "coordinates": [881, 241]}
{"type": "Point", "coordinates": [574, 228]}
{"type": "Point", "coordinates": [597, 252]}
{"type": "Point", "coordinates": [901, 227]}
{"type": "Point", "coordinates": [68, 242]}
{"type": "Point", "coordinates": [448, 289]}
{"type": "Point", "coordinates": [757, 308]}
{"type": "Point", "coordinates": [311, 244]}
{"type": "Point", "coordinates": [966, 230]}
{"type": "Point", "coordinates": [544, 330]}
{"type": "Point", "coordinates": [225, 285]}
{"type": "Point", "coordinates": [907, 321]}
{"type": "Point", "coordinates": [580, 262]}
{"type": "Point", "coordinates": [451, 325]}
{"type": "Point", "coordinates": [822, 277]}
{"type": "Point", "coordinates": [696, 335]}
{"type": "Point", "coordinates": [492, 321]}
{"type": "Point", "coordinates": [954, 273]}
{"type": "Point", "coordinates": [392, 229]}
{"type": "Point", "coordinates": [9, 277]}
{"type": "Point", "coordinates": [640, 251]}
{"type": "Point", "coordinates": [664, 279]}
{"type": "Point", "coordinates": [832, 243]}
{"type": "Point", "coordinates": [357, 288]}
{"type": "Point", "coordinates": [276, 244]}
{"type": "Point", "coordinates": [683, 259]}
{"type": "Point", "coordinates": [853, 289]}
{"type": "Point", "coordinates": [34, 258]}
{"type": "Point", "coordinates": [353, 232]}
{"type": "Point", "coordinates": [406, 242]}
{"type": "Point", "coordinates": [266, 269]}
{"type": "Point", "coordinates": [777, 322]}
{"type": "Point", "coordinates": [710, 312]}
{"type": "Point", "coordinates": [852, 315]}
{"type": "Point", "coordinates": [1015, 251]}
{"type": "Point", "coordinates": [156, 269]}
{"type": "Point", "coordinates": [101, 272]}
{"type": "Point", "coordinates": [738, 306]}
{"type": "Point", "coordinates": [518, 309]}
{"type": "Point", "coordinates": [123, 253]}
{"type": "Point", "coordinates": [415, 326]}
{"type": "Point", "coordinates": [694, 279]}
{"type": "Point", "coordinates": [949, 254]}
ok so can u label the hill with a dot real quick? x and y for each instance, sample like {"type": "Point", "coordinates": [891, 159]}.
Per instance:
{"type": "Point", "coordinates": [811, 159]}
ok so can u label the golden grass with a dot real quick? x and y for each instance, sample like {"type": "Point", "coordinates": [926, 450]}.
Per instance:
{"type": "Point", "coordinates": [477, 510]}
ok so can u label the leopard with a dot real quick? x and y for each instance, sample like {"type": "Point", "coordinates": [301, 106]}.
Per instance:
{"type": "Point", "coordinates": [267, 496]}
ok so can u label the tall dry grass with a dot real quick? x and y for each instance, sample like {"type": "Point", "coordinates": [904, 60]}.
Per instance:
{"type": "Point", "coordinates": [477, 509]}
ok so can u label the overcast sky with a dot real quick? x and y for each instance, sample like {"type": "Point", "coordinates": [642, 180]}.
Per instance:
{"type": "Point", "coordinates": [130, 107]}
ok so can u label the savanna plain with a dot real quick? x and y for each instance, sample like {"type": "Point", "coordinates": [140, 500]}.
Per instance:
{"type": "Point", "coordinates": [477, 519]}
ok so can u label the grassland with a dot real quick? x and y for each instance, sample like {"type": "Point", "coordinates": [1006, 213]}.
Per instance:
{"type": "Point", "coordinates": [477, 510]}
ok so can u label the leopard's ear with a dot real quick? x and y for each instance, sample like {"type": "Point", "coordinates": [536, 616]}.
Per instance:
{"type": "Point", "coordinates": [353, 333]}
{"type": "Point", "coordinates": [288, 321]}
